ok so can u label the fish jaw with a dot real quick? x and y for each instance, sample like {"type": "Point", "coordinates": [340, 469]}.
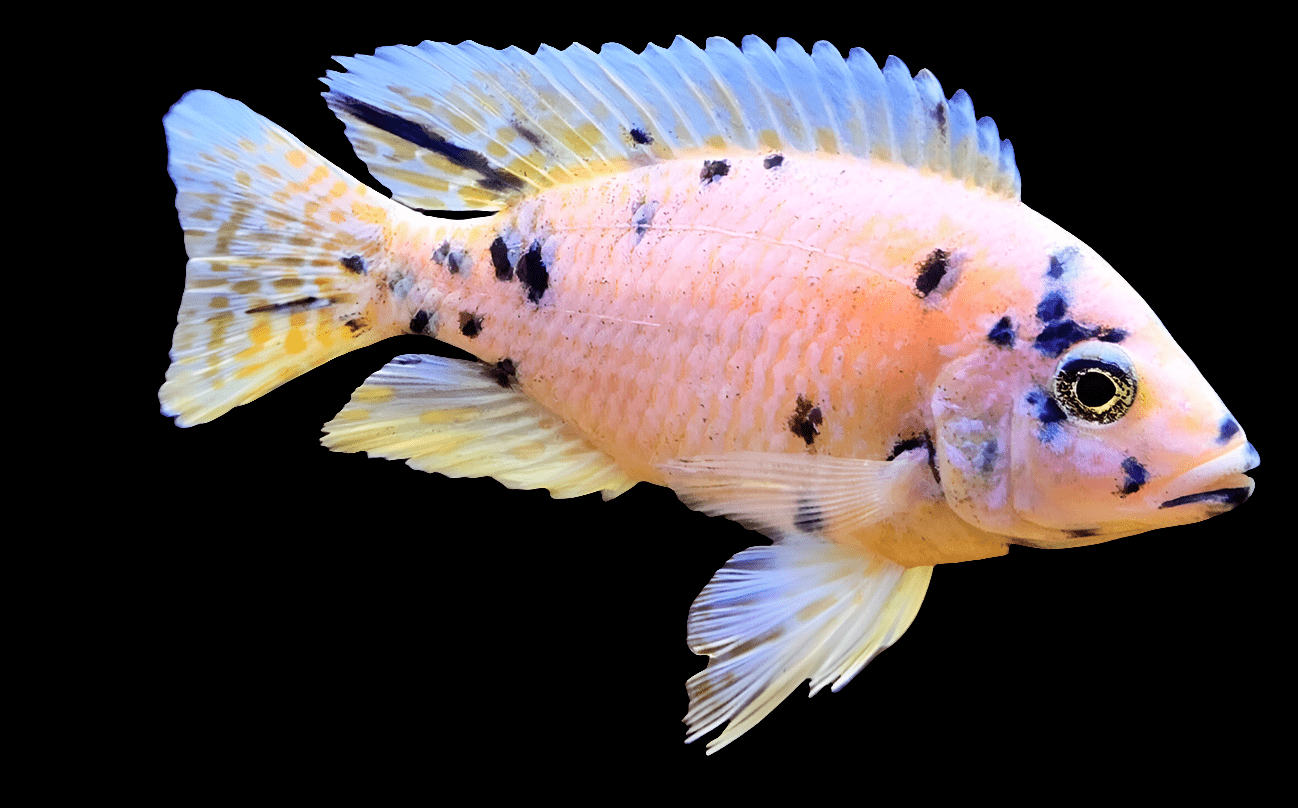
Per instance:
{"type": "Point", "coordinates": [1211, 488]}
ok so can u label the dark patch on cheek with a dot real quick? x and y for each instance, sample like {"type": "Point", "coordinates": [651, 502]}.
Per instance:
{"type": "Point", "coordinates": [1045, 408]}
{"type": "Point", "coordinates": [354, 263]}
{"type": "Point", "coordinates": [641, 137]}
{"type": "Point", "coordinates": [419, 323]}
{"type": "Point", "coordinates": [503, 373]}
{"type": "Point", "coordinates": [806, 420]}
{"type": "Point", "coordinates": [1002, 333]}
{"type": "Point", "coordinates": [491, 178]}
{"type": "Point", "coordinates": [713, 169]}
{"type": "Point", "coordinates": [987, 458]}
{"type": "Point", "coordinates": [301, 304]}
{"type": "Point", "coordinates": [470, 324]}
{"type": "Point", "coordinates": [357, 324]}
{"type": "Point", "coordinates": [1082, 533]}
{"type": "Point", "coordinates": [533, 274]}
{"type": "Point", "coordinates": [773, 160]}
{"type": "Point", "coordinates": [808, 517]}
{"type": "Point", "coordinates": [1111, 335]}
{"type": "Point", "coordinates": [1228, 429]}
{"type": "Point", "coordinates": [1134, 476]}
{"type": "Point", "coordinates": [931, 271]}
{"type": "Point", "coordinates": [1052, 307]}
{"type": "Point", "coordinates": [500, 260]}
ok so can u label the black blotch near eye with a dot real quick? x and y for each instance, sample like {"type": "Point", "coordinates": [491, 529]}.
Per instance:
{"type": "Point", "coordinates": [1052, 307]}
{"type": "Point", "coordinates": [1002, 333]}
{"type": "Point", "coordinates": [1228, 429]}
{"type": "Point", "coordinates": [1134, 476]}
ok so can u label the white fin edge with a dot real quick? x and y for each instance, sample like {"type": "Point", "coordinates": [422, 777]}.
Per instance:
{"type": "Point", "coordinates": [467, 127]}
{"type": "Point", "coordinates": [454, 417]}
{"type": "Point", "coordinates": [775, 616]}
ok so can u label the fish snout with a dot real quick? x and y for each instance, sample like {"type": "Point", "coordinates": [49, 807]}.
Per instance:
{"type": "Point", "coordinates": [1219, 484]}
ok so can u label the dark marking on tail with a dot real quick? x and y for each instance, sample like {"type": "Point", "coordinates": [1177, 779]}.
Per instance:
{"type": "Point", "coordinates": [1229, 426]}
{"type": "Point", "coordinates": [712, 169]}
{"type": "Point", "coordinates": [806, 420]}
{"type": "Point", "coordinates": [419, 323]}
{"type": "Point", "coordinates": [354, 263]}
{"type": "Point", "coordinates": [931, 271]}
{"type": "Point", "coordinates": [491, 178]}
{"type": "Point", "coordinates": [357, 324]}
{"type": "Point", "coordinates": [527, 134]}
{"type": "Point", "coordinates": [1052, 307]}
{"type": "Point", "coordinates": [500, 260]}
{"type": "Point", "coordinates": [503, 373]}
{"type": "Point", "coordinates": [808, 517]}
{"type": "Point", "coordinates": [470, 324]}
{"type": "Point", "coordinates": [301, 304]}
{"type": "Point", "coordinates": [641, 136]}
{"type": "Point", "coordinates": [773, 160]}
{"type": "Point", "coordinates": [1083, 533]}
{"type": "Point", "coordinates": [1134, 476]}
{"type": "Point", "coordinates": [1002, 333]}
{"type": "Point", "coordinates": [532, 273]}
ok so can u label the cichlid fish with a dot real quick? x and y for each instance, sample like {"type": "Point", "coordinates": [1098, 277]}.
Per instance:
{"type": "Point", "coordinates": [799, 290]}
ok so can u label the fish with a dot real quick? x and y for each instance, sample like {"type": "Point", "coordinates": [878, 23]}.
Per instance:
{"type": "Point", "coordinates": [968, 419]}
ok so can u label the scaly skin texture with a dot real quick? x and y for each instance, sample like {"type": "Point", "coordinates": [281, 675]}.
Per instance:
{"type": "Point", "coordinates": [751, 310]}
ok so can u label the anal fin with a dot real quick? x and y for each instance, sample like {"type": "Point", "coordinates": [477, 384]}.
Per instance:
{"type": "Point", "coordinates": [455, 418]}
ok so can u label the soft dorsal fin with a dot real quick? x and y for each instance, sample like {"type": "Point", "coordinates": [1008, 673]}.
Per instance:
{"type": "Point", "coordinates": [462, 127]}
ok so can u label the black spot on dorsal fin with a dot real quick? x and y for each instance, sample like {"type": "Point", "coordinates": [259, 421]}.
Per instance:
{"type": "Point", "coordinates": [641, 137]}
{"type": "Point", "coordinates": [301, 304]}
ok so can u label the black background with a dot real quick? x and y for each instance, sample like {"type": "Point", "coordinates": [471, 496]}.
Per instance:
{"type": "Point", "coordinates": [301, 618]}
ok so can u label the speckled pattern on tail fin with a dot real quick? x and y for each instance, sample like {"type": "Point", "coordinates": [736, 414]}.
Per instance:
{"type": "Point", "coordinates": [282, 247]}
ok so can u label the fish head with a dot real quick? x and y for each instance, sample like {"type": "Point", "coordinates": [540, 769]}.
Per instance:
{"type": "Point", "coordinates": [1096, 426]}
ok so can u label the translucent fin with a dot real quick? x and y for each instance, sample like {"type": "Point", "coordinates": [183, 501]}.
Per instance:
{"type": "Point", "coordinates": [280, 244]}
{"type": "Point", "coordinates": [788, 494]}
{"type": "Point", "coordinates": [464, 126]}
{"type": "Point", "coordinates": [454, 417]}
{"type": "Point", "coordinates": [775, 616]}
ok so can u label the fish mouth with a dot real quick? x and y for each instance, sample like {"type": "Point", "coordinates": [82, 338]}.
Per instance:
{"type": "Point", "coordinates": [1230, 486]}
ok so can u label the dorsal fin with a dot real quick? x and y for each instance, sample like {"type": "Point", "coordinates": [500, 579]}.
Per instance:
{"type": "Point", "coordinates": [463, 127]}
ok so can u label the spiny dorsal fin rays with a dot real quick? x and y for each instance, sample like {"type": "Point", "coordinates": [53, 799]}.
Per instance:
{"type": "Point", "coordinates": [459, 127]}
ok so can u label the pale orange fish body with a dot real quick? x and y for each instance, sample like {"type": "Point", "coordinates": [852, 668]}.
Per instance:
{"type": "Point", "coordinates": [835, 323]}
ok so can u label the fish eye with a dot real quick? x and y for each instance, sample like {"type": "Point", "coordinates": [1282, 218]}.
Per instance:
{"type": "Point", "coordinates": [1096, 384]}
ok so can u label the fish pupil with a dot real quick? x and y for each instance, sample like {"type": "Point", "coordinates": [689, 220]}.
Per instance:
{"type": "Point", "coordinates": [1095, 389]}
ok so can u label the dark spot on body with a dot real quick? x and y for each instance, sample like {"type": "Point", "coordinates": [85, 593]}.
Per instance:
{"type": "Point", "coordinates": [293, 305]}
{"type": "Point", "coordinates": [1134, 476]}
{"type": "Point", "coordinates": [490, 178]}
{"type": "Point", "coordinates": [920, 441]}
{"type": "Point", "coordinates": [1083, 533]}
{"type": "Point", "coordinates": [532, 273]}
{"type": "Point", "coordinates": [806, 420]}
{"type": "Point", "coordinates": [503, 373]}
{"type": "Point", "coordinates": [1002, 333]}
{"type": "Point", "coordinates": [643, 217]}
{"type": "Point", "coordinates": [1229, 426]}
{"type": "Point", "coordinates": [931, 271]}
{"type": "Point", "coordinates": [470, 324]}
{"type": "Point", "coordinates": [442, 253]}
{"type": "Point", "coordinates": [1052, 307]}
{"type": "Point", "coordinates": [641, 136]}
{"type": "Point", "coordinates": [357, 324]}
{"type": "Point", "coordinates": [808, 517]}
{"type": "Point", "coordinates": [1061, 262]}
{"type": "Point", "coordinates": [500, 260]}
{"type": "Point", "coordinates": [453, 264]}
{"type": "Point", "coordinates": [419, 323]}
{"type": "Point", "coordinates": [987, 457]}
{"type": "Point", "coordinates": [713, 169]}
{"type": "Point", "coordinates": [1222, 496]}
{"type": "Point", "coordinates": [772, 160]}
{"type": "Point", "coordinates": [1058, 337]}
{"type": "Point", "coordinates": [354, 263]}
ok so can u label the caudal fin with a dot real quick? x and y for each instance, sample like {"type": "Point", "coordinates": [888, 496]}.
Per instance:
{"type": "Point", "coordinates": [282, 251]}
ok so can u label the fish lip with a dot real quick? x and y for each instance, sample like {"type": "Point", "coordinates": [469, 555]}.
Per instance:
{"type": "Point", "coordinates": [1225, 473]}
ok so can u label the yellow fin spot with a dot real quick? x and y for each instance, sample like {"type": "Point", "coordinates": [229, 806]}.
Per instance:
{"type": "Point", "coordinates": [310, 208]}
{"type": "Point", "coordinates": [245, 287]}
{"type": "Point", "coordinates": [296, 158]}
{"type": "Point", "coordinates": [825, 140]}
{"type": "Point", "coordinates": [243, 178]}
{"type": "Point", "coordinates": [339, 188]}
{"type": "Point", "coordinates": [247, 145]}
{"type": "Point", "coordinates": [260, 333]}
{"type": "Point", "coordinates": [294, 343]}
{"type": "Point", "coordinates": [458, 415]}
{"type": "Point", "coordinates": [318, 175]}
{"type": "Point", "coordinates": [219, 302]}
{"type": "Point", "coordinates": [268, 171]}
{"type": "Point", "coordinates": [767, 138]}
{"type": "Point", "coordinates": [377, 393]}
{"type": "Point", "coordinates": [352, 415]}
{"type": "Point", "coordinates": [369, 213]}
{"type": "Point", "coordinates": [337, 216]}
{"type": "Point", "coordinates": [529, 450]}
